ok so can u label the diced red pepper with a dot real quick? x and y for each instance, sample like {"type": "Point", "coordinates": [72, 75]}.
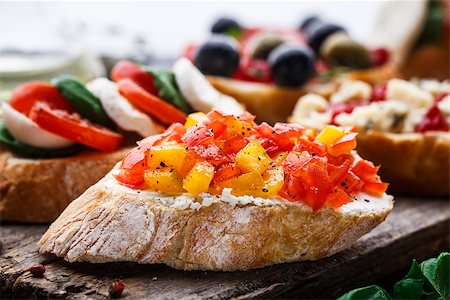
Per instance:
{"type": "Point", "coordinates": [433, 120]}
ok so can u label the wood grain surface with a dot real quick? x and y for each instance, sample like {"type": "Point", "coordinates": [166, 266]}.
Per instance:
{"type": "Point", "coordinates": [417, 228]}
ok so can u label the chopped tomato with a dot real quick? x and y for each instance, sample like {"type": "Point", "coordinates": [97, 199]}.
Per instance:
{"type": "Point", "coordinates": [352, 183]}
{"type": "Point", "coordinates": [375, 188]}
{"type": "Point", "coordinates": [365, 170]}
{"type": "Point", "coordinates": [211, 153]}
{"type": "Point", "coordinates": [336, 173]}
{"type": "Point", "coordinates": [74, 128]}
{"type": "Point", "coordinates": [149, 103]}
{"type": "Point", "coordinates": [198, 135]}
{"type": "Point", "coordinates": [344, 145]}
{"type": "Point", "coordinates": [433, 120]}
{"type": "Point", "coordinates": [130, 179]}
{"type": "Point", "coordinates": [314, 147]}
{"type": "Point", "coordinates": [338, 198]}
{"type": "Point", "coordinates": [284, 135]}
{"type": "Point", "coordinates": [127, 69]}
{"type": "Point", "coordinates": [26, 95]}
{"type": "Point", "coordinates": [234, 144]}
{"type": "Point", "coordinates": [226, 171]}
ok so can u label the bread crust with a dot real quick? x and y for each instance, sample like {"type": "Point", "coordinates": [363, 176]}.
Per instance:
{"type": "Point", "coordinates": [413, 163]}
{"type": "Point", "coordinates": [38, 190]}
{"type": "Point", "coordinates": [113, 223]}
{"type": "Point", "coordinates": [275, 104]}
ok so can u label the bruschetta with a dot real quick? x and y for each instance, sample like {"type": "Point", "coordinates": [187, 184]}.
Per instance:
{"type": "Point", "coordinates": [269, 69]}
{"type": "Point", "coordinates": [223, 193]}
{"type": "Point", "coordinates": [402, 125]}
{"type": "Point", "coordinates": [59, 138]}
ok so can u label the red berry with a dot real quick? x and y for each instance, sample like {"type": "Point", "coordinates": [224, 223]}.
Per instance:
{"type": "Point", "coordinates": [433, 120]}
{"type": "Point", "coordinates": [379, 92]}
{"type": "Point", "coordinates": [380, 56]}
{"type": "Point", "coordinates": [37, 270]}
{"type": "Point", "coordinates": [116, 288]}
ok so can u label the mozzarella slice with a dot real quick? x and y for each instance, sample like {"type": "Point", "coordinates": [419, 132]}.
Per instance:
{"type": "Point", "coordinates": [120, 109]}
{"type": "Point", "coordinates": [200, 93]}
{"type": "Point", "coordinates": [28, 132]}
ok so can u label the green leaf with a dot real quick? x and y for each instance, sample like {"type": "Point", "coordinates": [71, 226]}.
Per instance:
{"type": "Point", "coordinates": [367, 293]}
{"type": "Point", "coordinates": [408, 288]}
{"type": "Point", "coordinates": [168, 89]}
{"type": "Point", "coordinates": [436, 271]}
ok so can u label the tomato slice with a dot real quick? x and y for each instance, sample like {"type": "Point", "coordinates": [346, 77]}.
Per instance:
{"type": "Point", "coordinates": [74, 128]}
{"type": "Point", "coordinates": [26, 95]}
{"type": "Point", "coordinates": [127, 69]}
{"type": "Point", "coordinates": [149, 103]}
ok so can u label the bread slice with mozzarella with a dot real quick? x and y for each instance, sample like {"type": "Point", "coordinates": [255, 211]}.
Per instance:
{"type": "Point", "coordinates": [111, 222]}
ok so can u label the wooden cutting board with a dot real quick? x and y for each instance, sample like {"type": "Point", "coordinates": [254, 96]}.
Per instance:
{"type": "Point", "coordinates": [417, 228]}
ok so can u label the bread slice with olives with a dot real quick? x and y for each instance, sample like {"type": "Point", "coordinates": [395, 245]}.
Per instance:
{"type": "Point", "coordinates": [110, 222]}
{"type": "Point", "coordinates": [38, 190]}
{"type": "Point", "coordinates": [271, 103]}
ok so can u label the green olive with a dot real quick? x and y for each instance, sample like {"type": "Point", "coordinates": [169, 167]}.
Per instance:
{"type": "Point", "coordinates": [339, 50]}
{"type": "Point", "coordinates": [260, 45]}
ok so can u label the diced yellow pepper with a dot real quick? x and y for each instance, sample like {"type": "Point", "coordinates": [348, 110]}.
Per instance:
{"type": "Point", "coordinates": [165, 180]}
{"type": "Point", "coordinates": [278, 159]}
{"type": "Point", "coordinates": [246, 184]}
{"type": "Point", "coordinates": [253, 158]}
{"type": "Point", "coordinates": [273, 182]}
{"type": "Point", "coordinates": [194, 119]}
{"type": "Point", "coordinates": [166, 156]}
{"type": "Point", "coordinates": [329, 135]}
{"type": "Point", "coordinates": [199, 178]}
{"type": "Point", "coordinates": [239, 127]}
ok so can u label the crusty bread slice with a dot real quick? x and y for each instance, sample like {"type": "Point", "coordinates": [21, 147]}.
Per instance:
{"type": "Point", "coordinates": [38, 190]}
{"type": "Point", "coordinates": [275, 104]}
{"type": "Point", "coordinates": [413, 163]}
{"type": "Point", "coordinates": [110, 222]}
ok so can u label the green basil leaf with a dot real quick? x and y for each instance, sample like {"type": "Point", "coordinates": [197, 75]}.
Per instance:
{"type": "Point", "coordinates": [367, 293]}
{"type": "Point", "coordinates": [436, 271]}
{"type": "Point", "coordinates": [168, 89]}
{"type": "Point", "coordinates": [82, 100]}
{"type": "Point", "coordinates": [408, 288]}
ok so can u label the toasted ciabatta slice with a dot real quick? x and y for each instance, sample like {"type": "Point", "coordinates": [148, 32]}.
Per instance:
{"type": "Point", "coordinates": [111, 222]}
{"type": "Point", "coordinates": [413, 163]}
{"type": "Point", "coordinates": [38, 190]}
{"type": "Point", "coordinates": [272, 104]}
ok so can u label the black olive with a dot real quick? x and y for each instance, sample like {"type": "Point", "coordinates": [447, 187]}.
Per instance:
{"type": "Point", "coordinates": [292, 65]}
{"type": "Point", "coordinates": [308, 21]}
{"type": "Point", "coordinates": [317, 33]}
{"type": "Point", "coordinates": [219, 56]}
{"type": "Point", "coordinates": [224, 25]}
